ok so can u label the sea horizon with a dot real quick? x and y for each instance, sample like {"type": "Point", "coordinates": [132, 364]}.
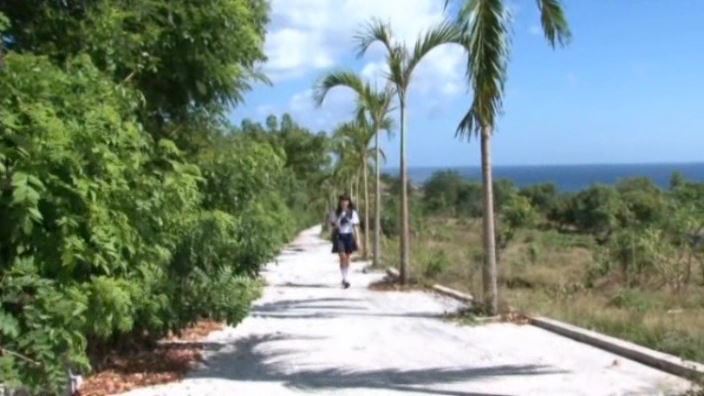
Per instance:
{"type": "Point", "coordinates": [567, 177]}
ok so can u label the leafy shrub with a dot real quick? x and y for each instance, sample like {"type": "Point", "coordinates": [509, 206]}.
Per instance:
{"type": "Point", "coordinates": [441, 191]}
{"type": "Point", "coordinates": [390, 216]}
{"type": "Point", "coordinates": [108, 235]}
{"type": "Point", "coordinates": [644, 201]}
{"type": "Point", "coordinates": [435, 263]}
{"type": "Point", "coordinates": [542, 196]}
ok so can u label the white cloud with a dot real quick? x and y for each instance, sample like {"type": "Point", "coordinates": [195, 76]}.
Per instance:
{"type": "Point", "coordinates": [441, 71]}
{"type": "Point", "coordinates": [308, 35]}
{"type": "Point", "coordinates": [291, 52]}
{"type": "Point", "coordinates": [338, 106]}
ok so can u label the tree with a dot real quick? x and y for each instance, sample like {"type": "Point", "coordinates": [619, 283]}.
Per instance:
{"type": "Point", "coordinates": [355, 138]}
{"type": "Point", "coordinates": [401, 62]}
{"type": "Point", "coordinates": [485, 29]}
{"type": "Point", "coordinates": [183, 56]}
{"type": "Point", "coordinates": [442, 191]}
{"type": "Point", "coordinates": [644, 200]}
{"type": "Point", "coordinates": [542, 196]}
{"type": "Point", "coordinates": [377, 105]}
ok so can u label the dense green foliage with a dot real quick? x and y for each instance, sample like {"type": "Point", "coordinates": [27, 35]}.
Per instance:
{"type": "Point", "coordinates": [183, 56]}
{"type": "Point", "coordinates": [648, 236]}
{"type": "Point", "coordinates": [128, 208]}
{"type": "Point", "coordinates": [308, 164]}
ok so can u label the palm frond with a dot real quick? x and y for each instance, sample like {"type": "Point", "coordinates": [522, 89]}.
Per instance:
{"type": "Point", "coordinates": [444, 33]}
{"type": "Point", "coordinates": [397, 60]}
{"type": "Point", "coordinates": [382, 154]}
{"type": "Point", "coordinates": [555, 26]}
{"type": "Point", "coordinates": [361, 111]}
{"type": "Point", "coordinates": [373, 31]}
{"type": "Point", "coordinates": [338, 79]}
{"type": "Point", "coordinates": [484, 25]}
{"type": "Point", "coordinates": [387, 124]}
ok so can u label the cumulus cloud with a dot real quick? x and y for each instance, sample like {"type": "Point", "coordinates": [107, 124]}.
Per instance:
{"type": "Point", "coordinates": [307, 37]}
{"type": "Point", "coordinates": [339, 105]}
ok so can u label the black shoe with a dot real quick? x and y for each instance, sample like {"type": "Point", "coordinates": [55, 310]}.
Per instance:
{"type": "Point", "coordinates": [345, 284]}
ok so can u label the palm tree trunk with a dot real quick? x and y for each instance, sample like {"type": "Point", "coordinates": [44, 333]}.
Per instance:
{"type": "Point", "coordinates": [405, 232]}
{"type": "Point", "coordinates": [489, 278]}
{"type": "Point", "coordinates": [354, 189]}
{"type": "Point", "coordinates": [377, 203]}
{"type": "Point", "coordinates": [365, 252]}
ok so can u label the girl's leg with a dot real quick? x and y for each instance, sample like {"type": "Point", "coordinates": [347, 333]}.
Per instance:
{"type": "Point", "coordinates": [343, 266]}
{"type": "Point", "coordinates": [346, 268]}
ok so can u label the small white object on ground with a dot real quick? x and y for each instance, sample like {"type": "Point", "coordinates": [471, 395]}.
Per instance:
{"type": "Point", "coordinates": [308, 335]}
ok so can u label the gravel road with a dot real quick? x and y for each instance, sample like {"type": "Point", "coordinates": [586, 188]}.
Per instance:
{"type": "Point", "coordinates": [307, 335]}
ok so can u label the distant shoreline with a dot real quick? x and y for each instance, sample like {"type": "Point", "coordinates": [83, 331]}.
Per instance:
{"type": "Point", "coordinates": [568, 178]}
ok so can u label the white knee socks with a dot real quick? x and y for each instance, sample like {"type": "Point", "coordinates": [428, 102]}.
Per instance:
{"type": "Point", "coordinates": [344, 271]}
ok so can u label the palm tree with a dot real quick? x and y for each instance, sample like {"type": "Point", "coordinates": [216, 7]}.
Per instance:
{"type": "Point", "coordinates": [402, 63]}
{"type": "Point", "coordinates": [485, 30]}
{"type": "Point", "coordinates": [355, 138]}
{"type": "Point", "coordinates": [377, 105]}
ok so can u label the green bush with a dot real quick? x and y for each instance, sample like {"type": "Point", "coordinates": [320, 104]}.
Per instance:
{"type": "Point", "coordinates": [128, 207]}
{"type": "Point", "coordinates": [542, 196]}
{"type": "Point", "coordinates": [390, 216]}
{"type": "Point", "coordinates": [435, 263]}
{"type": "Point", "coordinates": [440, 190]}
{"type": "Point", "coordinates": [108, 235]}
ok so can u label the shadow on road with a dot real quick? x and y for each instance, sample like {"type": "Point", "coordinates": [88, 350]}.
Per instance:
{"type": "Point", "coordinates": [328, 308]}
{"type": "Point", "coordinates": [251, 359]}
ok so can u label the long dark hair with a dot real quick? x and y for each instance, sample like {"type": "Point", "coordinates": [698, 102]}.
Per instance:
{"type": "Point", "coordinates": [350, 207]}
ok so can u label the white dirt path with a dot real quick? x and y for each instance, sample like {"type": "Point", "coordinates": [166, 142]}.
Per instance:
{"type": "Point", "coordinates": [306, 335]}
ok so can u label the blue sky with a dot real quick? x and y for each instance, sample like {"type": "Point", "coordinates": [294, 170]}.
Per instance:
{"type": "Point", "coordinates": [628, 89]}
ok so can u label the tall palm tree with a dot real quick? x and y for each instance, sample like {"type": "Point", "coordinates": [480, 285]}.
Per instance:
{"type": "Point", "coordinates": [485, 30]}
{"type": "Point", "coordinates": [402, 62]}
{"type": "Point", "coordinates": [356, 137]}
{"type": "Point", "coordinates": [377, 105]}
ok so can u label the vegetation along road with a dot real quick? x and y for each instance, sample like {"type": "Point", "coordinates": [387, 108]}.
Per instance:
{"type": "Point", "coordinates": [306, 334]}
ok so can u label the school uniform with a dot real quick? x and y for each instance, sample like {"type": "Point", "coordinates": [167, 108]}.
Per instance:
{"type": "Point", "coordinates": [343, 238]}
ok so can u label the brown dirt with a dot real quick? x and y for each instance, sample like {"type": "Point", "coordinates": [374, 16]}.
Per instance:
{"type": "Point", "coordinates": [167, 362]}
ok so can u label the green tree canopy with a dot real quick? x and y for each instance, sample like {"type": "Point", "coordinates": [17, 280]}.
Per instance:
{"type": "Point", "coordinates": [184, 56]}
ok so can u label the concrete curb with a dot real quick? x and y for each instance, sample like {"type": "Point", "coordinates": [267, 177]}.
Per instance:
{"type": "Point", "coordinates": [658, 360]}
{"type": "Point", "coordinates": [456, 294]}
{"type": "Point", "coordinates": [393, 273]}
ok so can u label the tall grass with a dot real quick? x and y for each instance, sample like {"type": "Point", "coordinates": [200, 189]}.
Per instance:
{"type": "Point", "coordinates": [549, 273]}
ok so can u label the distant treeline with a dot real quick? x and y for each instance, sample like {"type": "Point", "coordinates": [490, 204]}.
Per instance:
{"type": "Point", "coordinates": [648, 233]}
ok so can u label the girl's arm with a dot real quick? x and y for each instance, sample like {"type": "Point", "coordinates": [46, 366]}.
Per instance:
{"type": "Point", "coordinates": [355, 223]}
{"type": "Point", "coordinates": [355, 218]}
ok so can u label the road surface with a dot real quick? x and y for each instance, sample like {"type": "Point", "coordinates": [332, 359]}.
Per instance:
{"type": "Point", "coordinates": [307, 335]}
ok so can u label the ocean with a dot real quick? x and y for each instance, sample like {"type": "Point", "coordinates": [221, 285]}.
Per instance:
{"type": "Point", "coordinates": [569, 178]}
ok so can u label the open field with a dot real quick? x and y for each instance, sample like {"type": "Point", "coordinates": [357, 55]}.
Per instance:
{"type": "Point", "coordinates": [551, 274]}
